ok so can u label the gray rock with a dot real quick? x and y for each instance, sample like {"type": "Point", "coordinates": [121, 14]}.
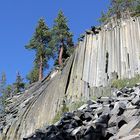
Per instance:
{"type": "Point", "coordinates": [127, 128]}
{"type": "Point", "coordinates": [131, 137]}
{"type": "Point", "coordinates": [130, 113]}
{"type": "Point", "coordinates": [94, 106]}
{"type": "Point", "coordinates": [106, 110]}
{"type": "Point", "coordinates": [112, 121]}
{"type": "Point", "coordinates": [91, 102]}
{"type": "Point", "coordinates": [75, 131]}
{"type": "Point", "coordinates": [115, 110]}
{"type": "Point", "coordinates": [83, 107]}
{"type": "Point", "coordinates": [76, 118]}
{"type": "Point", "coordinates": [136, 100]}
{"type": "Point", "coordinates": [104, 99]}
{"type": "Point", "coordinates": [111, 130]}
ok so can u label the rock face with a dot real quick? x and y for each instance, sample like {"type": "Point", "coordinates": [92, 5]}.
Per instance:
{"type": "Point", "coordinates": [36, 107]}
{"type": "Point", "coordinates": [114, 52]}
{"type": "Point", "coordinates": [108, 118]}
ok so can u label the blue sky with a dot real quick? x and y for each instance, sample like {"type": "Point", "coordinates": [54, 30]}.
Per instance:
{"type": "Point", "coordinates": [18, 19]}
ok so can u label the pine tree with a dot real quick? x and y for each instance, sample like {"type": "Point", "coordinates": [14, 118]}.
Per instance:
{"type": "Point", "coordinates": [3, 83]}
{"type": "Point", "coordinates": [61, 37]}
{"type": "Point", "coordinates": [116, 7]}
{"type": "Point", "coordinates": [119, 6]}
{"type": "Point", "coordinates": [103, 17]}
{"type": "Point", "coordinates": [9, 90]}
{"type": "Point", "coordinates": [39, 43]}
{"type": "Point", "coordinates": [3, 89]}
{"type": "Point", "coordinates": [137, 7]}
{"type": "Point", "coordinates": [19, 84]}
{"type": "Point", "coordinates": [33, 75]}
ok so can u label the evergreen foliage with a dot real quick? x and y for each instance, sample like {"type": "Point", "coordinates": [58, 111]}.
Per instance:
{"type": "Point", "coordinates": [5, 91]}
{"type": "Point", "coordinates": [19, 84]}
{"type": "Point", "coordinates": [126, 82]}
{"type": "Point", "coordinates": [3, 88]}
{"type": "Point", "coordinates": [9, 91]}
{"type": "Point", "coordinates": [61, 39]}
{"type": "Point", "coordinates": [119, 6]}
{"type": "Point", "coordinates": [3, 83]}
{"type": "Point", "coordinates": [62, 110]}
{"type": "Point", "coordinates": [39, 43]}
{"type": "Point", "coordinates": [104, 17]}
{"type": "Point", "coordinates": [33, 75]}
{"type": "Point", "coordinates": [137, 8]}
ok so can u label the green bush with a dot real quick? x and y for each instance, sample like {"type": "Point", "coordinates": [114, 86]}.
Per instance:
{"type": "Point", "coordinates": [57, 117]}
{"type": "Point", "coordinates": [60, 113]}
{"type": "Point", "coordinates": [76, 105]}
{"type": "Point", "coordinates": [65, 108]}
{"type": "Point", "coordinates": [121, 83]}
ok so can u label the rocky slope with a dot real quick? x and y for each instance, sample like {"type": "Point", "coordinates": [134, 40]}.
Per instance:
{"type": "Point", "coordinates": [108, 118]}
{"type": "Point", "coordinates": [99, 58]}
{"type": "Point", "coordinates": [35, 107]}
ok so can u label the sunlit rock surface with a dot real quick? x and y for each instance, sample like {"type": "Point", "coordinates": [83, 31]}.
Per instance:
{"type": "Point", "coordinates": [113, 53]}
{"type": "Point", "coordinates": [107, 118]}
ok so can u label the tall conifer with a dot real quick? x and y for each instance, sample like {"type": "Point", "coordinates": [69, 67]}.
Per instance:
{"type": "Point", "coordinates": [61, 37]}
{"type": "Point", "coordinates": [39, 43]}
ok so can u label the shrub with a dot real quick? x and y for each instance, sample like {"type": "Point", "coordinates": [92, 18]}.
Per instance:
{"type": "Point", "coordinates": [57, 117]}
{"type": "Point", "coordinates": [60, 113]}
{"type": "Point", "coordinates": [76, 105]}
{"type": "Point", "coordinates": [121, 83]}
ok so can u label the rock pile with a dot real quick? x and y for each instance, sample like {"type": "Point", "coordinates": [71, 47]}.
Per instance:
{"type": "Point", "coordinates": [15, 106]}
{"type": "Point", "coordinates": [107, 118]}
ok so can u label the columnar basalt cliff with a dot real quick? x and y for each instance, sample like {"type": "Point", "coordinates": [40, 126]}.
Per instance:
{"type": "Point", "coordinates": [112, 53]}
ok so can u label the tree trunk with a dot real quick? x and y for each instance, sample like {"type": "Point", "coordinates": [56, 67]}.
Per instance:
{"type": "Point", "coordinates": [41, 69]}
{"type": "Point", "coordinates": [60, 55]}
